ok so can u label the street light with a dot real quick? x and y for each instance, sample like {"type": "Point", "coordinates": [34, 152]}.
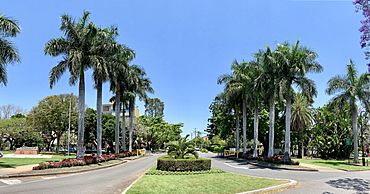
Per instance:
{"type": "Point", "coordinates": [362, 136]}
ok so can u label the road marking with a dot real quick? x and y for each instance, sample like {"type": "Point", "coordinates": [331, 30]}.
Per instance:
{"type": "Point", "coordinates": [50, 177]}
{"type": "Point", "coordinates": [11, 181]}
{"type": "Point", "coordinates": [241, 167]}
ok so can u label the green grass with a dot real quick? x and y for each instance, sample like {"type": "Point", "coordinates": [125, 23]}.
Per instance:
{"type": "Point", "coordinates": [337, 164]}
{"type": "Point", "coordinates": [215, 183]}
{"type": "Point", "coordinates": [7, 152]}
{"type": "Point", "coordinates": [14, 162]}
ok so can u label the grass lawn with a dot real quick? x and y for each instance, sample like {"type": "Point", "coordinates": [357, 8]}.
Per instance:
{"type": "Point", "coordinates": [14, 162]}
{"type": "Point", "coordinates": [338, 164]}
{"type": "Point", "coordinates": [215, 183]}
{"type": "Point", "coordinates": [7, 152]}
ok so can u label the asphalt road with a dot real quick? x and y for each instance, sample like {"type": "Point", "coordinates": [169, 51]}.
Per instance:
{"type": "Point", "coordinates": [308, 182]}
{"type": "Point", "coordinates": [110, 180]}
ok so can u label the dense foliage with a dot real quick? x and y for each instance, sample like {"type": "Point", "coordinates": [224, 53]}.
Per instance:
{"type": "Point", "coordinates": [166, 163]}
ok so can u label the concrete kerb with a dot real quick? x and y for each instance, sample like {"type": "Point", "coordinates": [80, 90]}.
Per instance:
{"type": "Point", "coordinates": [283, 168]}
{"type": "Point", "coordinates": [291, 183]}
{"type": "Point", "coordinates": [64, 172]}
{"type": "Point", "coordinates": [141, 176]}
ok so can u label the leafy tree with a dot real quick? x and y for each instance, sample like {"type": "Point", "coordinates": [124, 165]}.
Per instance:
{"type": "Point", "coordinates": [181, 148]}
{"type": "Point", "coordinates": [8, 53]}
{"type": "Point", "coordinates": [351, 88]}
{"type": "Point", "coordinates": [154, 107]}
{"type": "Point", "coordinates": [51, 117]}
{"type": "Point", "coordinates": [80, 51]}
{"type": "Point", "coordinates": [18, 133]}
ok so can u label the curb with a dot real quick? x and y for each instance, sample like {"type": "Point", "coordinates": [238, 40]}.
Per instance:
{"type": "Point", "coordinates": [283, 168]}
{"type": "Point", "coordinates": [138, 178]}
{"type": "Point", "coordinates": [291, 183]}
{"type": "Point", "coordinates": [66, 172]}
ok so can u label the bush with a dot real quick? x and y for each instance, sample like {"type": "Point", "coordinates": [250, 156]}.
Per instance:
{"type": "Point", "coordinates": [278, 160]}
{"type": "Point", "coordinates": [204, 150]}
{"type": "Point", "coordinates": [192, 164]}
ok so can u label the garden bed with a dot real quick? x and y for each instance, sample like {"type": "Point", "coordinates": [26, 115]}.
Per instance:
{"type": "Point", "coordinates": [87, 160]}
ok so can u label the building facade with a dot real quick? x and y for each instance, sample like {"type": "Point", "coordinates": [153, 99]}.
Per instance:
{"type": "Point", "coordinates": [108, 109]}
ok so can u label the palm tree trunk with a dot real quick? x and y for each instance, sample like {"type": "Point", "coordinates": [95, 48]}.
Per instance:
{"type": "Point", "coordinates": [117, 114]}
{"type": "Point", "coordinates": [81, 116]}
{"type": "Point", "coordinates": [272, 122]}
{"type": "Point", "coordinates": [124, 148]}
{"type": "Point", "coordinates": [288, 114]}
{"type": "Point", "coordinates": [132, 106]}
{"type": "Point", "coordinates": [355, 133]}
{"type": "Point", "coordinates": [99, 102]}
{"type": "Point", "coordinates": [244, 127]}
{"type": "Point", "coordinates": [300, 143]}
{"type": "Point", "coordinates": [255, 138]}
{"type": "Point", "coordinates": [237, 132]}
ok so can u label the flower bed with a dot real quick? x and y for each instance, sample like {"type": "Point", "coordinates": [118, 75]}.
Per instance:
{"type": "Point", "coordinates": [87, 160]}
{"type": "Point", "coordinates": [166, 163]}
{"type": "Point", "coordinates": [278, 160]}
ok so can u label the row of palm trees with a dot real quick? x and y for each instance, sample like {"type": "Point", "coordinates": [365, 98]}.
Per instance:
{"type": "Point", "coordinates": [86, 46]}
{"type": "Point", "coordinates": [270, 77]}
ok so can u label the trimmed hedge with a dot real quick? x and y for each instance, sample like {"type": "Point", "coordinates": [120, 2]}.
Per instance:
{"type": "Point", "coordinates": [166, 163]}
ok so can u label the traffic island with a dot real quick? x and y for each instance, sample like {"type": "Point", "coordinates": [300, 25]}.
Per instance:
{"type": "Point", "coordinates": [212, 181]}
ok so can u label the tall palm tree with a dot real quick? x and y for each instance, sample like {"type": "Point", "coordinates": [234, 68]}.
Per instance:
{"type": "Point", "coordinates": [296, 61]}
{"type": "Point", "coordinates": [101, 73]}
{"type": "Point", "coordinates": [233, 92]}
{"type": "Point", "coordinates": [301, 118]}
{"type": "Point", "coordinates": [270, 81]}
{"type": "Point", "coordinates": [351, 88]}
{"type": "Point", "coordinates": [8, 53]}
{"type": "Point", "coordinates": [138, 85]}
{"type": "Point", "coordinates": [79, 51]}
{"type": "Point", "coordinates": [239, 82]}
{"type": "Point", "coordinates": [118, 74]}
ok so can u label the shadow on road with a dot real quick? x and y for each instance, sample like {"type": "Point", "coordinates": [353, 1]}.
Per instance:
{"type": "Point", "coordinates": [361, 186]}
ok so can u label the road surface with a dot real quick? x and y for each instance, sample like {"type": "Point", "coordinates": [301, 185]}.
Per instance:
{"type": "Point", "coordinates": [308, 182]}
{"type": "Point", "coordinates": [109, 180]}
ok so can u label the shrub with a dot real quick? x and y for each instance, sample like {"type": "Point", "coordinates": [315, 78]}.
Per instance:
{"type": "Point", "coordinates": [204, 150]}
{"type": "Point", "coordinates": [193, 164]}
{"type": "Point", "coordinates": [278, 160]}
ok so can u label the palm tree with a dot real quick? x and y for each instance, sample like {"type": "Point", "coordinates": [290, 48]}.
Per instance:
{"type": "Point", "coordinates": [101, 74]}
{"type": "Point", "coordinates": [79, 51]}
{"type": "Point", "coordinates": [350, 88]}
{"type": "Point", "coordinates": [138, 85]}
{"type": "Point", "coordinates": [8, 53]}
{"type": "Point", "coordinates": [239, 82]}
{"type": "Point", "coordinates": [234, 97]}
{"type": "Point", "coordinates": [301, 118]}
{"type": "Point", "coordinates": [296, 61]}
{"type": "Point", "coordinates": [270, 82]}
{"type": "Point", "coordinates": [118, 74]}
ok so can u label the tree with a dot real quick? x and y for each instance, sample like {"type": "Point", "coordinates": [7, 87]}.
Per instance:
{"type": "Point", "coordinates": [301, 119]}
{"type": "Point", "coordinates": [8, 53]}
{"type": "Point", "coordinates": [269, 79]}
{"type": "Point", "coordinates": [80, 51]}
{"type": "Point", "coordinates": [296, 61]}
{"type": "Point", "coordinates": [101, 74]}
{"type": "Point", "coordinates": [350, 88]}
{"type": "Point", "coordinates": [154, 107]}
{"type": "Point", "coordinates": [51, 117]}
{"type": "Point", "coordinates": [181, 148]}
{"type": "Point", "coordinates": [138, 85]}
{"type": "Point", "coordinates": [363, 5]}
{"type": "Point", "coordinates": [118, 75]}
{"type": "Point", "coordinates": [7, 111]}
{"type": "Point", "coordinates": [18, 133]}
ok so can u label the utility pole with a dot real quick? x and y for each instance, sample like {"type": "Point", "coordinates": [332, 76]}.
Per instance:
{"type": "Point", "coordinates": [362, 136]}
{"type": "Point", "coordinates": [69, 121]}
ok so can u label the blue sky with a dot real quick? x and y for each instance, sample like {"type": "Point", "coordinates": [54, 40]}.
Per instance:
{"type": "Point", "coordinates": [183, 45]}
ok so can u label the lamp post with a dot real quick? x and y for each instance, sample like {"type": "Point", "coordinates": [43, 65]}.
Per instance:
{"type": "Point", "coordinates": [69, 121]}
{"type": "Point", "coordinates": [362, 136]}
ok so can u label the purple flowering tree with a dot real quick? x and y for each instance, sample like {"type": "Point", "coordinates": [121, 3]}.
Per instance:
{"type": "Point", "coordinates": [363, 6]}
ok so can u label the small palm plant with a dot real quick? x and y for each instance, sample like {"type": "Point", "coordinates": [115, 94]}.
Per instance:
{"type": "Point", "coordinates": [181, 148]}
